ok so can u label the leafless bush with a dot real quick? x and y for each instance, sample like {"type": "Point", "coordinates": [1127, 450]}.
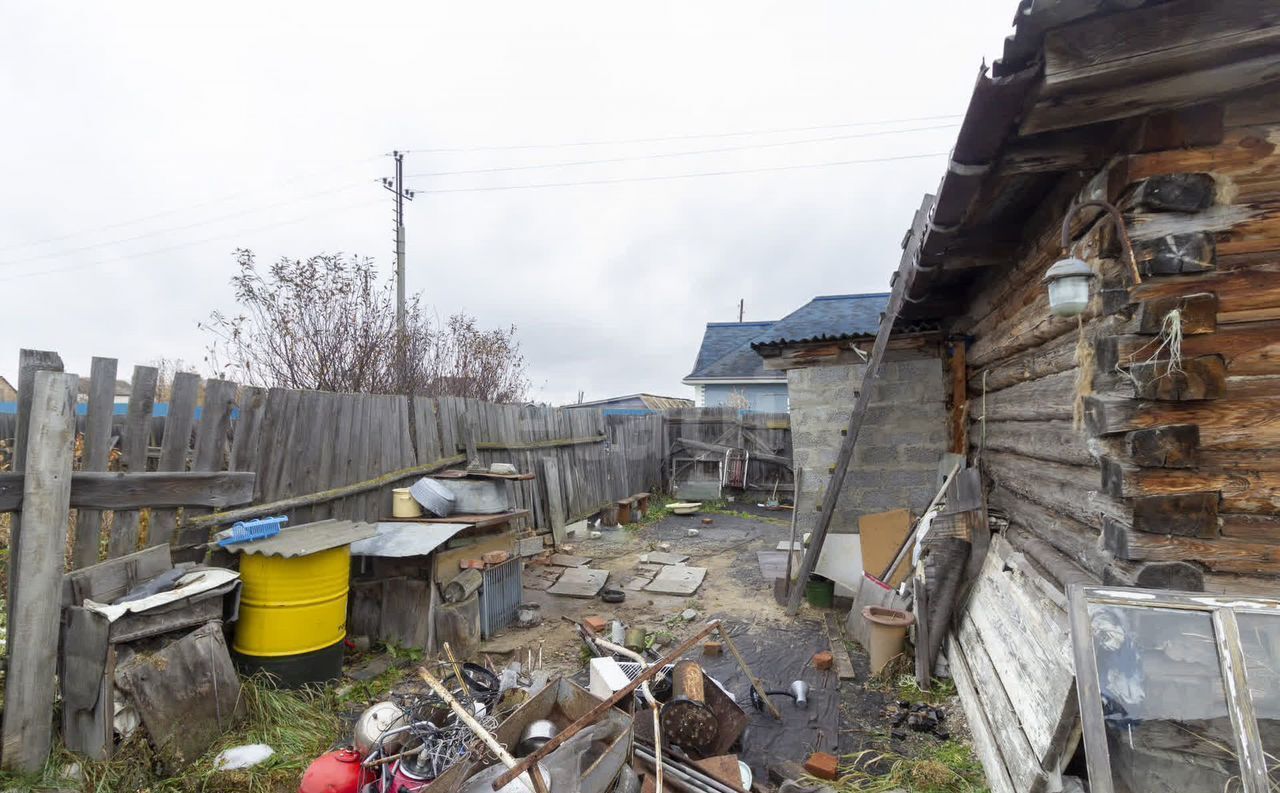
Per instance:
{"type": "Point", "coordinates": [328, 323]}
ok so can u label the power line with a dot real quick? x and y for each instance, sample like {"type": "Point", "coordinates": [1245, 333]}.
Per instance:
{"type": "Point", "coordinates": [173, 229]}
{"type": "Point", "coordinates": [688, 153]}
{"type": "Point", "coordinates": [669, 177]}
{"type": "Point", "coordinates": [174, 210]}
{"type": "Point", "coordinates": [666, 138]}
{"type": "Point", "coordinates": [177, 246]}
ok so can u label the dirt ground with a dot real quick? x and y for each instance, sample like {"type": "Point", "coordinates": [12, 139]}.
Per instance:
{"type": "Point", "coordinates": [858, 711]}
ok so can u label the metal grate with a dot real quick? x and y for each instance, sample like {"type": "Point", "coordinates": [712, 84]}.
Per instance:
{"type": "Point", "coordinates": [500, 593]}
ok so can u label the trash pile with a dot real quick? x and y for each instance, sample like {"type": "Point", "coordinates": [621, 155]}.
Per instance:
{"type": "Point", "coordinates": [645, 722]}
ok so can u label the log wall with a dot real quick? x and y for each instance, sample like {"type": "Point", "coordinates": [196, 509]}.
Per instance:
{"type": "Point", "coordinates": [1136, 466]}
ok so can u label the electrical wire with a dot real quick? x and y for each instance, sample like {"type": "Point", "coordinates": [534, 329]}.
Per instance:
{"type": "Point", "coordinates": [174, 210]}
{"type": "Point", "coordinates": [667, 138]}
{"type": "Point", "coordinates": [689, 153]}
{"type": "Point", "coordinates": [670, 177]}
{"type": "Point", "coordinates": [173, 229]}
{"type": "Point", "coordinates": [299, 219]}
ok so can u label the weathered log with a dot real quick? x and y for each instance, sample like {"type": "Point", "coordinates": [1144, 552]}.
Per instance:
{"type": "Point", "coordinates": [1198, 313]}
{"type": "Point", "coordinates": [1183, 576]}
{"type": "Point", "coordinates": [1247, 349]}
{"type": "Point", "coordinates": [1057, 441]}
{"type": "Point", "coordinates": [1174, 254]}
{"type": "Point", "coordinates": [1185, 514]}
{"type": "Point", "coordinates": [1222, 553]}
{"type": "Point", "coordinates": [1231, 423]}
{"type": "Point", "coordinates": [1172, 192]}
{"type": "Point", "coordinates": [1203, 377]}
{"type": "Point", "coordinates": [1173, 446]}
{"type": "Point", "coordinates": [1076, 540]}
{"type": "Point", "coordinates": [1069, 490]}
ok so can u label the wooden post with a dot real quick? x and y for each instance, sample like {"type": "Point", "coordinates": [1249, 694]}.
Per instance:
{"type": "Point", "coordinates": [29, 362]}
{"type": "Point", "coordinates": [34, 613]}
{"type": "Point", "coordinates": [906, 274]}
{"type": "Point", "coordinates": [555, 500]}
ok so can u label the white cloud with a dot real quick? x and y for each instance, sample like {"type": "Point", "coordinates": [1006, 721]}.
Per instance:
{"type": "Point", "coordinates": [122, 111]}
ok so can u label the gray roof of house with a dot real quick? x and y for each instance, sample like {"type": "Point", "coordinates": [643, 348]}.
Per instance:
{"type": "Point", "coordinates": [826, 318]}
{"type": "Point", "coordinates": [726, 352]}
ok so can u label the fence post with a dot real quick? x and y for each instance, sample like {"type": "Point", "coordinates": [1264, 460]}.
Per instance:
{"type": "Point", "coordinates": [29, 362]}
{"type": "Point", "coordinates": [34, 610]}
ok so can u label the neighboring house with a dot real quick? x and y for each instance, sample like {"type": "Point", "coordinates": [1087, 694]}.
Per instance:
{"type": "Point", "coordinates": [651, 402]}
{"type": "Point", "coordinates": [821, 348]}
{"type": "Point", "coordinates": [7, 392]}
{"type": "Point", "coordinates": [728, 373]}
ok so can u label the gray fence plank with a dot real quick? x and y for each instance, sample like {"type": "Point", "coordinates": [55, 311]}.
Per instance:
{"type": "Point", "coordinates": [34, 613]}
{"type": "Point", "coordinates": [134, 444]}
{"type": "Point", "coordinates": [173, 448]}
{"type": "Point", "coordinates": [95, 456]}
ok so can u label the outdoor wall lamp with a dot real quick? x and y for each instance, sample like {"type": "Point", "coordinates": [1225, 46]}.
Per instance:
{"type": "Point", "coordinates": [1068, 278]}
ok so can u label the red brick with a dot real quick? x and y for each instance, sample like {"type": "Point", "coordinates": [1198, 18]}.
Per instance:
{"type": "Point", "coordinates": [712, 648]}
{"type": "Point", "coordinates": [823, 765]}
{"type": "Point", "coordinates": [595, 623]}
{"type": "Point", "coordinates": [823, 660]}
{"type": "Point", "coordinates": [471, 564]}
{"type": "Point", "coordinates": [495, 557]}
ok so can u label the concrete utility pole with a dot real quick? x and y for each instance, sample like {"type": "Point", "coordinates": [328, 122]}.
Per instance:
{"type": "Point", "coordinates": [742, 307]}
{"type": "Point", "coordinates": [396, 186]}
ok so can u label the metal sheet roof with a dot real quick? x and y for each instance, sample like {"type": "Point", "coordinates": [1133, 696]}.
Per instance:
{"type": "Point", "coordinates": [307, 538]}
{"type": "Point", "coordinates": [395, 540]}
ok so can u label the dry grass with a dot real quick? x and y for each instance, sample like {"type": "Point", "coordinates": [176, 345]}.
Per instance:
{"type": "Point", "coordinates": [298, 725]}
{"type": "Point", "coordinates": [948, 768]}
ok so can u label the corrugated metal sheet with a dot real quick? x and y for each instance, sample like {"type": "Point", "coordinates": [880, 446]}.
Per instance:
{"type": "Point", "coordinates": [397, 540]}
{"type": "Point", "coordinates": [307, 538]}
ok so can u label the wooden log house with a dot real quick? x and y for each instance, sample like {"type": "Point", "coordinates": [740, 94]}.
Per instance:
{"type": "Point", "coordinates": [1139, 443]}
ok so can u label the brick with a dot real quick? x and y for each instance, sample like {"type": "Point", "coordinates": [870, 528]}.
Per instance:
{"type": "Point", "coordinates": [823, 765]}
{"type": "Point", "coordinates": [495, 557]}
{"type": "Point", "coordinates": [595, 623]}
{"type": "Point", "coordinates": [822, 661]}
{"type": "Point", "coordinates": [471, 564]}
{"type": "Point", "coordinates": [712, 648]}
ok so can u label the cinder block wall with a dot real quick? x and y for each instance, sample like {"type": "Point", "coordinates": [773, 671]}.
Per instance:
{"type": "Point", "coordinates": [895, 463]}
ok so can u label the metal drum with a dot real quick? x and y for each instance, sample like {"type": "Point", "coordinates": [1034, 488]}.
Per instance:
{"type": "Point", "coordinates": [293, 612]}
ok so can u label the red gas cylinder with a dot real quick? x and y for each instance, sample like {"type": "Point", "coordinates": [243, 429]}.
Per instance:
{"type": "Point", "coordinates": [335, 772]}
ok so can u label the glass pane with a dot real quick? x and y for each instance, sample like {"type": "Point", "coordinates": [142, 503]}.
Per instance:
{"type": "Point", "coordinates": [1163, 701]}
{"type": "Point", "coordinates": [1260, 640]}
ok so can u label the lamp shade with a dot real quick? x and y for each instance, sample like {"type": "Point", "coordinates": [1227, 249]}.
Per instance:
{"type": "Point", "coordinates": [1068, 281]}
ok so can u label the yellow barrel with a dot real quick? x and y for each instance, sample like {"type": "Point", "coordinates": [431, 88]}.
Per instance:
{"type": "Point", "coordinates": [290, 606]}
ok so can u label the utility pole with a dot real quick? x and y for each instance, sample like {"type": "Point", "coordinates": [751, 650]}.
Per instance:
{"type": "Point", "coordinates": [742, 305]}
{"type": "Point", "coordinates": [396, 186]}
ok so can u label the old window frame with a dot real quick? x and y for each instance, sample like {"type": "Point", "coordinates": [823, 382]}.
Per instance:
{"type": "Point", "coordinates": [1226, 631]}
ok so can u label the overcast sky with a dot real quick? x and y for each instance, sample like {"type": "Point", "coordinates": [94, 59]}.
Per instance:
{"type": "Point", "coordinates": [144, 141]}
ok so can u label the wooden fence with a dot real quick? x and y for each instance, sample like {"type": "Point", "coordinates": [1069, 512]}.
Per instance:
{"type": "Point", "coordinates": [702, 435]}
{"type": "Point", "coordinates": [96, 486]}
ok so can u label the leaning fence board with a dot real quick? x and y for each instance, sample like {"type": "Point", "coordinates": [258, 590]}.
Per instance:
{"type": "Point", "coordinates": [95, 455]}
{"type": "Point", "coordinates": [29, 362]}
{"type": "Point", "coordinates": [1020, 761]}
{"type": "Point", "coordinates": [1027, 641]}
{"type": "Point", "coordinates": [173, 448]}
{"type": "Point", "coordinates": [134, 444]}
{"type": "Point", "coordinates": [34, 613]}
{"type": "Point", "coordinates": [985, 744]}
{"type": "Point", "coordinates": [555, 506]}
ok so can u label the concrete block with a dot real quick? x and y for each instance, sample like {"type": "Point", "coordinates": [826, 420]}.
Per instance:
{"type": "Point", "coordinates": [907, 478]}
{"type": "Point", "coordinates": [876, 455]}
